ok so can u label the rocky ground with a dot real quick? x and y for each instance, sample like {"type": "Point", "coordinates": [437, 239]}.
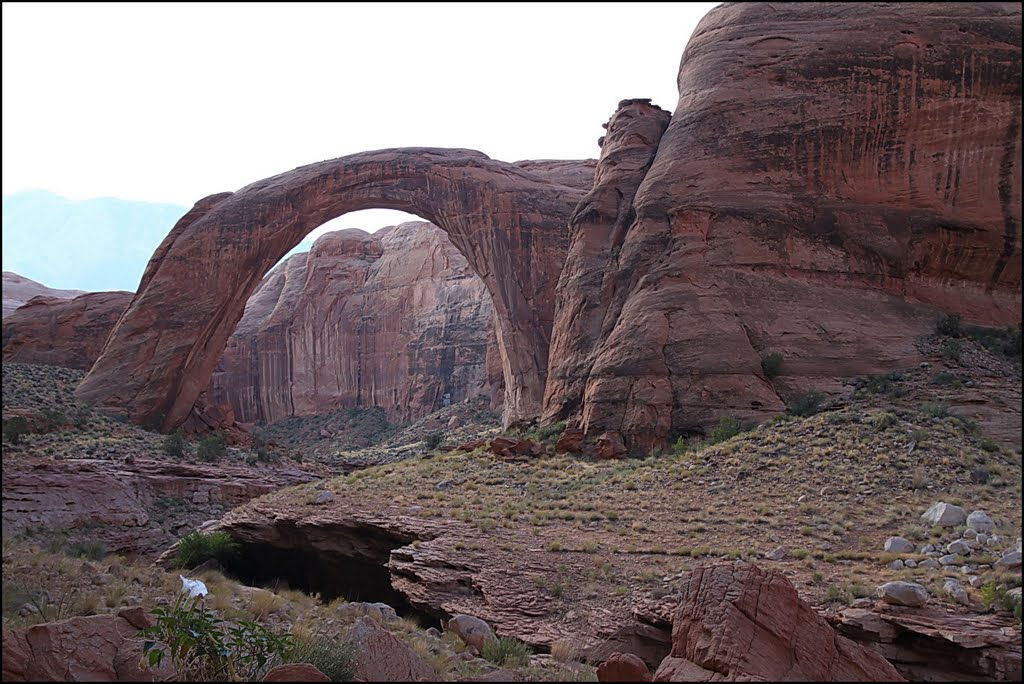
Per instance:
{"type": "Point", "coordinates": [574, 555]}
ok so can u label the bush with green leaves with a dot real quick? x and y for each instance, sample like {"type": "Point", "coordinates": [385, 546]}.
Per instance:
{"type": "Point", "coordinates": [195, 548]}
{"type": "Point", "coordinates": [948, 326]}
{"type": "Point", "coordinates": [433, 440]}
{"type": "Point", "coordinates": [15, 428]}
{"type": "Point", "coordinates": [203, 648]}
{"type": "Point", "coordinates": [335, 658]}
{"type": "Point", "coordinates": [212, 448]}
{"type": "Point", "coordinates": [174, 444]}
{"type": "Point", "coordinates": [729, 427]}
{"type": "Point", "coordinates": [507, 651]}
{"type": "Point", "coordinates": [771, 364]}
{"type": "Point", "coordinates": [807, 404]}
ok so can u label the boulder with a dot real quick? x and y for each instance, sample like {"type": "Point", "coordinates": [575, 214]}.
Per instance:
{"type": "Point", "coordinates": [980, 521]}
{"type": "Point", "coordinates": [1010, 560]}
{"type": "Point", "coordinates": [383, 657]}
{"type": "Point", "coordinates": [903, 594]}
{"type": "Point", "coordinates": [570, 441]}
{"type": "Point", "coordinates": [745, 623]}
{"type": "Point", "coordinates": [472, 630]}
{"type": "Point", "coordinates": [623, 667]}
{"type": "Point", "coordinates": [945, 515]}
{"type": "Point", "coordinates": [899, 545]}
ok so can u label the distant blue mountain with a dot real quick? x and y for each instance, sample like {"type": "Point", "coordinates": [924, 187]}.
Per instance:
{"type": "Point", "coordinates": [95, 244]}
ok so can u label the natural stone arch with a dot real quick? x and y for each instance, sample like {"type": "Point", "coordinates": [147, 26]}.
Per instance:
{"type": "Point", "coordinates": [509, 220]}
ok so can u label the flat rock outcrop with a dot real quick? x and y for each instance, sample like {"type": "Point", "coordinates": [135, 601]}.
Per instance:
{"type": "Point", "coordinates": [937, 644]}
{"type": "Point", "coordinates": [18, 289]}
{"type": "Point", "coordinates": [742, 623]}
{"type": "Point", "coordinates": [395, 319]}
{"type": "Point", "coordinates": [508, 220]}
{"type": "Point", "coordinates": [64, 332]}
{"type": "Point", "coordinates": [834, 179]}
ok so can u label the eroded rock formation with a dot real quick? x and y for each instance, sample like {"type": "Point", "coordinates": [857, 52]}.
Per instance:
{"type": "Point", "coordinates": [742, 623]}
{"type": "Point", "coordinates": [395, 319]}
{"type": "Point", "coordinates": [834, 178]}
{"type": "Point", "coordinates": [18, 290]}
{"type": "Point", "coordinates": [507, 219]}
{"type": "Point", "coordinates": [62, 332]}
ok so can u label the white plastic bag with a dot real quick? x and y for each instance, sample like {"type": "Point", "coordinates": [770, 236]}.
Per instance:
{"type": "Point", "coordinates": [193, 587]}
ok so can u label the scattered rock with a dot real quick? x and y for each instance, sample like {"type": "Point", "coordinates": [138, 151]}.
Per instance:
{"type": "Point", "coordinates": [610, 445]}
{"type": "Point", "coordinates": [910, 563]}
{"type": "Point", "coordinates": [296, 672]}
{"type": "Point", "coordinates": [570, 441]}
{"type": "Point", "coordinates": [444, 485]}
{"type": "Point", "coordinates": [1010, 560]}
{"type": "Point", "coordinates": [899, 545]}
{"type": "Point", "coordinates": [903, 594]}
{"type": "Point", "coordinates": [454, 422]}
{"type": "Point", "coordinates": [623, 667]}
{"type": "Point", "coordinates": [944, 514]}
{"type": "Point", "coordinates": [472, 630]}
{"type": "Point", "coordinates": [949, 559]}
{"type": "Point", "coordinates": [956, 591]}
{"type": "Point", "coordinates": [930, 563]}
{"type": "Point", "coordinates": [980, 521]}
{"type": "Point", "coordinates": [777, 554]}
{"type": "Point", "coordinates": [959, 547]}
{"type": "Point", "coordinates": [895, 565]}
{"type": "Point", "coordinates": [326, 496]}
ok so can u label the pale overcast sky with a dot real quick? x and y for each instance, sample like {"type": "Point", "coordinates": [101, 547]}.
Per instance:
{"type": "Point", "coordinates": [173, 102]}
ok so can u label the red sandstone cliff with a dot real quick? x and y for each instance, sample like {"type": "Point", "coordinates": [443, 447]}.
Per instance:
{"type": "Point", "coordinates": [834, 179]}
{"type": "Point", "coordinates": [394, 319]}
{"type": "Point", "coordinates": [18, 289]}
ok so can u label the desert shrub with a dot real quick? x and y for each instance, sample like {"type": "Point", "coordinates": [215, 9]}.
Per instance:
{"type": "Point", "coordinates": [14, 428]}
{"type": "Point", "coordinates": [203, 647]}
{"type": "Point", "coordinates": [729, 427]}
{"type": "Point", "coordinates": [771, 364]}
{"type": "Point", "coordinates": [507, 651]}
{"type": "Point", "coordinates": [883, 384]}
{"type": "Point", "coordinates": [936, 409]}
{"type": "Point", "coordinates": [807, 404]}
{"type": "Point", "coordinates": [195, 548]}
{"type": "Point", "coordinates": [952, 349]}
{"type": "Point", "coordinates": [948, 326]}
{"type": "Point", "coordinates": [991, 595]}
{"type": "Point", "coordinates": [546, 432]}
{"type": "Point", "coordinates": [174, 444]}
{"type": "Point", "coordinates": [433, 440]}
{"type": "Point", "coordinates": [212, 448]}
{"type": "Point", "coordinates": [947, 379]}
{"type": "Point", "coordinates": [883, 420]}
{"type": "Point", "coordinates": [334, 658]}
{"type": "Point", "coordinates": [93, 550]}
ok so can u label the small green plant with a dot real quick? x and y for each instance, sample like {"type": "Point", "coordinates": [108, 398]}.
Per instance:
{"type": "Point", "coordinates": [212, 448]}
{"type": "Point", "coordinates": [988, 445]}
{"type": "Point", "coordinates": [195, 548]}
{"type": "Point", "coordinates": [936, 409]}
{"type": "Point", "coordinates": [771, 364]}
{"type": "Point", "coordinates": [433, 440]}
{"type": "Point", "coordinates": [883, 420]}
{"type": "Point", "coordinates": [729, 427]}
{"type": "Point", "coordinates": [93, 550]}
{"type": "Point", "coordinates": [334, 658]}
{"type": "Point", "coordinates": [507, 652]}
{"type": "Point", "coordinates": [807, 404]}
{"type": "Point", "coordinates": [174, 444]}
{"type": "Point", "coordinates": [203, 647]}
{"type": "Point", "coordinates": [15, 428]}
{"type": "Point", "coordinates": [952, 349]}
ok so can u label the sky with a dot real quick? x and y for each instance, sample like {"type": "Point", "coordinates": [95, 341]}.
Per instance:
{"type": "Point", "coordinates": [172, 102]}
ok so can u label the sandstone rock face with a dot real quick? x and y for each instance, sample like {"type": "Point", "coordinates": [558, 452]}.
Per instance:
{"type": "Point", "coordinates": [395, 319]}
{"type": "Point", "coordinates": [62, 332]}
{"type": "Point", "coordinates": [833, 180]}
{"type": "Point", "coordinates": [383, 657]}
{"type": "Point", "coordinates": [18, 290]}
{"type": "Point", "coordinates": [508, 220]}
{"type": "Point", "coordinates": [744, 623]}
{"type": "Point", "coordinates": [99, 648]}
{"type": "Point", "coordinates": [936, 644]}
{"type": "Point", "coordinates": [117, 497]}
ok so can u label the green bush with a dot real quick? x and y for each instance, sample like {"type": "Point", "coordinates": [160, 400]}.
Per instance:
{"type": "Point", "coordinates": [433, 440]}
{"type": "Point", "coordinates": [334, 658]}
{"type": "Point", "coordinates": [14, 428]}
{"type": "Point", "coordinates": [807, 404]}
{"type": "Point", "coordinates": [174, 444]}
{"type": "Point", "coordinates": [771, 364]}
{"type": "Point", "coordinates": [212, 448]}
{"type": "Point", "coordinates": [507, 651]}
{"type": "Point", "coordinates": [952, 349]}
{"type": "Point", "coordinates": [936, 409]}
{"type": "Point", "coordinates": [729, 427]}
{"type": "Point", "coordinates": [546, 432]}
{"type": "Point", "coordinates": [195, 548]}
{"type": "Point", "coordinates": [93, 550]}
{"type": "Point", "coordinates": [203, 647]}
